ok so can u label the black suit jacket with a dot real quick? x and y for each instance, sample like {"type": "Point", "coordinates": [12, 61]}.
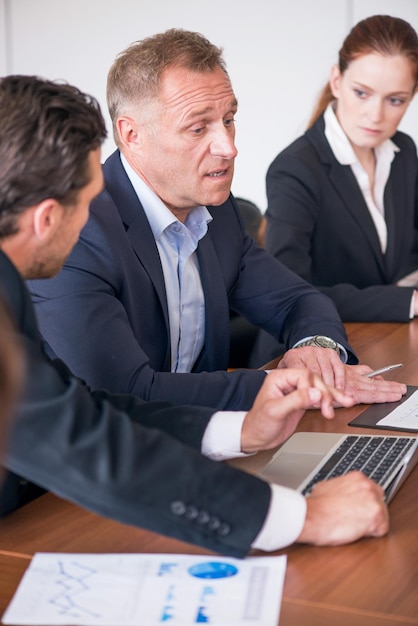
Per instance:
{"type": "Point", "coordinates": [319, 225]}
{"type": "Point", "coordinates": [137, 462]}
{"type": "Point", "coordinates": [106, 313]}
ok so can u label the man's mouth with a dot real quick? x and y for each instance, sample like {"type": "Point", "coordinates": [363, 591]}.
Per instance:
{"type": "Point", "coordinates": [218, 174]}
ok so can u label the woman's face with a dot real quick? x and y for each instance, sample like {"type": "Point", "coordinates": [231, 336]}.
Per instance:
{"type": "Point", "coordinates": [372, 96]}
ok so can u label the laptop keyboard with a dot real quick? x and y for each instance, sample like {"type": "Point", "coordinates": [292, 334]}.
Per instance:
{"type": "Point", "coordinates": [375, 456]}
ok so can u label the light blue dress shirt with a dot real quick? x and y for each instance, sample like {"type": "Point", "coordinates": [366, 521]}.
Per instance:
{"type": "Point", "coordinates": [177, 244]}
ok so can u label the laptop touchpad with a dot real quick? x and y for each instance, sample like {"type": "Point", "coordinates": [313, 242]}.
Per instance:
{"type": "Point", "coordinates": [298, 457]}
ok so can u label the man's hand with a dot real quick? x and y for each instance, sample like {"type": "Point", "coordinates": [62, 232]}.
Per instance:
{"type": "Point", "coordinates": [350, 379]}
{"type": "Point", "coordinates": [344, 509]}
{"type": "Point", "coordinates": [371, 390]}
{"type": "Point", "coordinates": [322, 361]}
{"type": "Point", "coordinates": [280, 404]}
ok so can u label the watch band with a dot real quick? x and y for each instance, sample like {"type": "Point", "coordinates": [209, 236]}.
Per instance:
{"type": "Point", "coordinates": [321, 341]}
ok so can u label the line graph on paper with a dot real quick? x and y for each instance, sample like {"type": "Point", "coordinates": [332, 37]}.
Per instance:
{"type": "Point", "coordinates": [83, 589]}
{"type": "Point", "coordinates": [74, 581]}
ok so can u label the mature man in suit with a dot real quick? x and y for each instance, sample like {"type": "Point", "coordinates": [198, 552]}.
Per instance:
{"type": "Point", "coordinates": [139, 462]}
{"type": "Point", "coordinates": [142, 305]}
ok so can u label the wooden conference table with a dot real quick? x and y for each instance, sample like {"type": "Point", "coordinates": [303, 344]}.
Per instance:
{"type": "Point", "coordinates": [373, 582]}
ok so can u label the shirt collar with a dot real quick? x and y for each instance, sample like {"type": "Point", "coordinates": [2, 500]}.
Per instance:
{"type": "Point", "coordinates": [341, 146]}
{"type": "Point", "coordinates": [159, 216]}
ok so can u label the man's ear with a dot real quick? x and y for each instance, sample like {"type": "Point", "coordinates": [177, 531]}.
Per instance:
{"type": "Point", "coordinates": [129, 133]}
{"type": "Point", "coordinates": [47, 217]}
{"type": "Point", "coordinates": [334, 81]}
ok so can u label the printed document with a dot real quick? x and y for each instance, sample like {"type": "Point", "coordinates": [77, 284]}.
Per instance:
{"type": "Point", "coordinates": [148, 590]}
{"type": "Point", "coordinates": [405, 416]}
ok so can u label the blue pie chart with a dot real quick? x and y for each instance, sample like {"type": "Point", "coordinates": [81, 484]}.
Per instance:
{"type": "Point", "coordinates": [213, 570]}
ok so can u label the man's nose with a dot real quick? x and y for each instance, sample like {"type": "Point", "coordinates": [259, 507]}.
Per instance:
{"type": "Point", "coordinates": [223, 143]}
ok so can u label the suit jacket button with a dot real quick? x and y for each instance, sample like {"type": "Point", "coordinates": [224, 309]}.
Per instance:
{"type": "Point", "coordinates": [191, 512]}
{"type": "Point", "coordinates": [178, 507]}
{"type": "Point", "coordinates": [214, 523]}
{"type": "Point", "coordinates": [224, 530]}
{"type": "Point", "coordinates": [203, 517]}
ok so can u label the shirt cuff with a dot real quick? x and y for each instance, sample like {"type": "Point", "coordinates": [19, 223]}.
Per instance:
{"type": "Point", "coordinates": [284, 520]}
{"type": "Point", "coordinates": [222, 437]}
{"type": "Point", "coordinates": [412, 306]}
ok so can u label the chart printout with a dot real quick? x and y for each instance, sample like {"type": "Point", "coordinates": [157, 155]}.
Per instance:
{"type": "Point", "coordinates": [148, 589]}
{"type": "Point", "coordinates": [405, 416]}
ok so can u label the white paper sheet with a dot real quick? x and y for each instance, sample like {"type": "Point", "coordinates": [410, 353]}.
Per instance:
{"type": "Point", "coordinates": [404, 416]}
{"type": "Point", "coordinates": [148, 590]}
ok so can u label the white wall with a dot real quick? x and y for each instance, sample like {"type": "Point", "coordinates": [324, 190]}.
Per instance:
{"type": "Point", "coordinates": [3, 39]}
{"type": "Point", "coordinates": [278, 54]}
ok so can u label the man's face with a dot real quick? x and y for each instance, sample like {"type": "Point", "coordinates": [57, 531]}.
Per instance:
{"type": "Point", "coordinates": [52, 255]}
{"type": "Point", "coordinates": [187, 156]}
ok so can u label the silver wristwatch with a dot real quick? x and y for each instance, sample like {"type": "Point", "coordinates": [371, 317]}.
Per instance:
{"type": "Point", "coordinates": [321, 341]}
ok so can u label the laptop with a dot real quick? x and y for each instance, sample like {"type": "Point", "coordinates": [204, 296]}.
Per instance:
{"type": "Point", "coordinates": [309, 457]}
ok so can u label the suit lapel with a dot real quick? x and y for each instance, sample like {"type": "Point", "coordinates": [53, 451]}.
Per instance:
{"type": "Point", "coordinates": [395, 202]}
{"type": "Point", "coordinates": [216, 349]}
{"type": "Point", "coordinates": [18, 299]}
{"type": "Point", "coordinates": [137, 227]}
{"type": "Point", "coordinates": [344, 182]}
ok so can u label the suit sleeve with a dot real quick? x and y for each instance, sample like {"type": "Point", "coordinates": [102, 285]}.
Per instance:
{"type": "Point", "coordinates": [295, 199]}
{"type": "Point", "coordinates": [83, 317]}
{"type": "Point", "coordinates": [275, 299]}
{"type": "Point", "coordinates": [136, 466]}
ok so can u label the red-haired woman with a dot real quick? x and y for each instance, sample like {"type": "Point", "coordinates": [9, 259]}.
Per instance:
{"type": "Point", "coordinates": [343, 198]}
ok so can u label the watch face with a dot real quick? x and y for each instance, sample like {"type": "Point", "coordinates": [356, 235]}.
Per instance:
{"type": "Point", "coordinates": [325, 342]}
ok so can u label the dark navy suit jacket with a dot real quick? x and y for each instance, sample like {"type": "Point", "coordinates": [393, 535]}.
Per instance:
{"type": "Point", "coordinates": [106, 313]}
{"type": "Point", "coordinates": [319, 225]}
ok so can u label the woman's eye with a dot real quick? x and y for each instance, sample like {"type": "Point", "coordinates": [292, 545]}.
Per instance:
{"type": "Point", "coordinates": [396, 101]}
{"type": "Point", "coordinates": [359, 93]}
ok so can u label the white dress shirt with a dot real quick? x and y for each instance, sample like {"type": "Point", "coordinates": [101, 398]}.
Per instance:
{"type": "Point", "coordinates": [344, 153]}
